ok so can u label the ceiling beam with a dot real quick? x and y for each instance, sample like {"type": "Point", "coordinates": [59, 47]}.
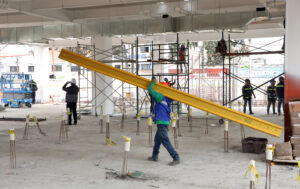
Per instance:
{"type": "Point", "coordinates": [26, 8]}
{"type": "Point", "coordinates": [76, 4]}
{"type": "Point", "coordinates": [22, 20]}
{"type": "Point", "coordinates": [154, 10]}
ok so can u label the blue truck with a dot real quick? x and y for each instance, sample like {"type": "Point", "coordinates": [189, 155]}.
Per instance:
{"type": "Point", "coordinates": [16, 89]}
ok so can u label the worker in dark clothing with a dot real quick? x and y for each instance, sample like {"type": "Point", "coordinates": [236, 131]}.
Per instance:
{"type": "Point", "coordinates": [280, 94]}
{"type": "Point", "coordinates": [34, 88]}
{"type": "Point", "coordinates": [247, 92]}
{"type": "Point", "coordinates": [271, 91]}
{"type": "Point", "coordinates": [71, 99]}
{"type": "Point", "coordinates": [162, 110]}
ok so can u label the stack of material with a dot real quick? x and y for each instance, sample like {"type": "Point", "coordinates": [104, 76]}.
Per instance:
{"type": "Point", "coordinates": [283, 151]}
{"type": "Point", "coordinates": [295, 120]}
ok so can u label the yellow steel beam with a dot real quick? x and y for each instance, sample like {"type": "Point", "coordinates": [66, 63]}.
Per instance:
{"type": "Point", "coordinates": [205, 105]}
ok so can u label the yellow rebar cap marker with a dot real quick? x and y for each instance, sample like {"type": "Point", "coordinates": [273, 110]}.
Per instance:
{"type": "Point", "coordinates": [140, 114]}
{"type": "Point", "coordinates": [35, 119]}
{"type": "Point", "coordinates": [12, 132]}
{"type": "Point", "coordinates": [271, 148]}
{"type": "Point", "coordinates": [252, 168]}
{"type": "Point", "coordinates": [110, 142]}
{"type": "Point", "coordinates": [150, 121]}
{"type": "Point", "coordinates": [127, 139]}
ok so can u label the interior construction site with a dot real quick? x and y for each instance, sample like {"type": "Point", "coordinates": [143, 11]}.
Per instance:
{"type": "Point", "coordinates": [149, 94]}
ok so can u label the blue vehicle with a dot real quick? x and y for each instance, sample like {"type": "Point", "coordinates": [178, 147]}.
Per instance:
{"type": "Point", "coordinates": [16, 89]}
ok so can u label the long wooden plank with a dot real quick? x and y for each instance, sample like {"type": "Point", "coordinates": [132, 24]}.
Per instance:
{"type": "Point", "coordinates": [213, 108]}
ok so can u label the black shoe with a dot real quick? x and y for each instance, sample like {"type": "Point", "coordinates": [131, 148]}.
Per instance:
{"type": "Point", "coordinates": [75, 122]}
{"type": "Point", "coordinates": [251, 113]}
{"type": "Point", "coordinates": [152, 159]}
{"type": "Point", "coordinates": [174, 162]}
{"type": "Point", "coordinates": [274, 113]}
{"type": "Point", "coordinates": [268, 113]}
{"type": "Point", "coordinates": [69, 123]}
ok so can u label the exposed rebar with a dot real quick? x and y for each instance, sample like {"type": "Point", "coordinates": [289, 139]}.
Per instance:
{"type": "Point", "coordinates": [12, 137]}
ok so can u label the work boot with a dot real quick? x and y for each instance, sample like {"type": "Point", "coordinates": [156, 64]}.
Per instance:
{"type": "Point", "coordinates": [174, 162]}
{"type": "Point", "coordinates": [152, 159]}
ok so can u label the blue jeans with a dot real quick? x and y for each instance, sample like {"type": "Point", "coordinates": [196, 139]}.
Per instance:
{"type": "Point", "coordinates": [280, 102]}
{"type": "Point", "coordinates": [245, 105]}
{"type": "Point", "coordinates": [161, 137]}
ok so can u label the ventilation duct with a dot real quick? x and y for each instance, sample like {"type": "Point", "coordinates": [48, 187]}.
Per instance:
{"type": "Point", "coordinates": [190, 23]}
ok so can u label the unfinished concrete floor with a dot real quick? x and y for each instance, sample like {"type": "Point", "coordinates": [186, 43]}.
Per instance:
{"type": "Point", "coordinates": [84, 161]}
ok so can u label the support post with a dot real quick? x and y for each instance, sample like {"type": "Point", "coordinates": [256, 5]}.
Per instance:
{"type": "Point", "coordinates": [206, 123]}
{"type": "Point", "coordinates": [226, 138]}
{"type": "Point", "coordinates": [107, 129]}
{"type": "Point", "coordinates": [253, 174]}
{"type": "Point", "coordinates": [269, 158]}
{"type": "Point", "coordinates": [123, 117]}
{"type": "Point", "coordinates": [63, 132]}
{"type": "Point", "coordinates": [174, 131]}
{"type": "Point", "coordinates": [190, 119]}
{"type": "Point", "coordinates": [125, 161]}
{"type": "Point", "coordinates": [242, 126]}
{"type": "Point", "coordinates": [26, 130]}
{"type": "Point", "coordinates": [223, 76]}
{"type": "Point", "coordinates": [137, 72]}
{"type": "Point", "coordinates": [12, 137]}
{"type": "Point", "coordinates": [38, 125]}
{"type": "Point", "coordinates": [138, 119]}
{"type": "Point", "coordinates": [178, 128]}
{"type": "Point", "coordinates": [229, 72]}
{"type": "Point", "coordinates": [150, 130]}
{"type": "Point", "coordinates": [101, 119]}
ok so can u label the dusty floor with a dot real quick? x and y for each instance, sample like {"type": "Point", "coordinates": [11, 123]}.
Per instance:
{"type": "Point", "coordinates": [84, 161]}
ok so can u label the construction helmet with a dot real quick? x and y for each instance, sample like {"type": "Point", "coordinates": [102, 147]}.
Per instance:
{"type": "Point", "coordinates": [73, 81]}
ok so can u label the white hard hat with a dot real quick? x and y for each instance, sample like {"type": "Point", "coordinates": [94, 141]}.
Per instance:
{"type": "Point", "coordinates": [73, 81]}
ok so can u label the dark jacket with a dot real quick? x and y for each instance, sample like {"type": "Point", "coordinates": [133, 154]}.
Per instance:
{"type": "Point", "coordinates": [271, 92]}
{"type": "Point", "coordinates": [280, 89]}
{"type": "Point", "coordinates": [34, 86]}
{"type": "Point", "coordinates": [72, 92]}
{"type": "Point", "coordinates": [247, 91]}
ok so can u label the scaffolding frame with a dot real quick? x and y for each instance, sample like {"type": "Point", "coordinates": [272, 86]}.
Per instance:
{"type": "Point", "coordinates": [227, 77]}
{"type": "Point", "coordinates": [159, 52]}
{"type": "Point", "coordinates": [87, 84]}
{"type": "Point", "coordinates": [161, 55]}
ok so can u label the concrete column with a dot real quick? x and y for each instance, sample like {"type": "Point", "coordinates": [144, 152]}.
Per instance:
{"type": "Point", "coordinates": [292, 66]}
{"type": "Point", "coordinates": [103, 43]}
{"type": "Point", "coordinates": [41, 60]}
